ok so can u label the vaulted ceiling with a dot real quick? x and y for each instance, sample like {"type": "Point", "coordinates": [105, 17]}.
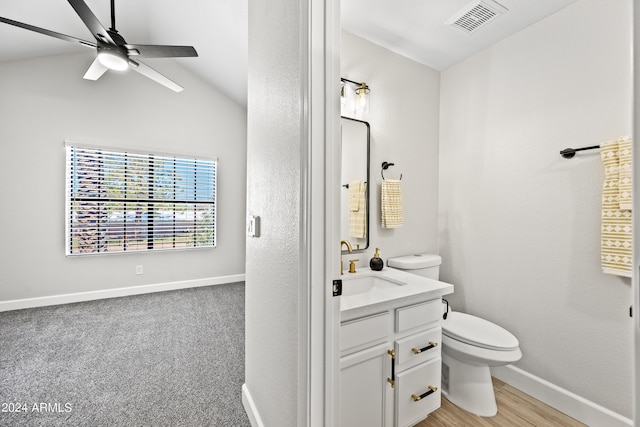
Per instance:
{"type": "Point", "coordinates": [218, 30]}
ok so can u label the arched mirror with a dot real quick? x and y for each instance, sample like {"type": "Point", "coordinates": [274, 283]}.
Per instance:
{"type": "Point", "coordinates": [354, 201]}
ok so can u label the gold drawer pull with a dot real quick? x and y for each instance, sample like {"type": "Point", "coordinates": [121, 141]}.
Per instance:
{"type": "Point", "coordinates": [429, 347]}
{"type": "Point", "coordinates": [417, 398]}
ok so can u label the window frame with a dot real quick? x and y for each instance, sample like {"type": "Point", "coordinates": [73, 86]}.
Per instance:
{"type": "Point", "coordinates": [150, 203]}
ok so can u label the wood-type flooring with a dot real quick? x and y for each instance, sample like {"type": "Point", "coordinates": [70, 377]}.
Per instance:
{"type": "Point", "coordinates": [515, 409]}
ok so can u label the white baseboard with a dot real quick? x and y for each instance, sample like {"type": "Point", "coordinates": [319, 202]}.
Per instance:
{"type": "Point", "coordinates": [19, 304]}
{"type": "Point", "coordinates": [250, 408]}
{"type": "Point", "coordinates": [577, 407]}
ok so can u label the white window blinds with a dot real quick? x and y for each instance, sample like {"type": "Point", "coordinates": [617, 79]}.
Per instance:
{"type": "Point", "coordinates": [126, 201]}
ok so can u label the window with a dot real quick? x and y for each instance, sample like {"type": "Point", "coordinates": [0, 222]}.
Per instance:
{"type": "Point", "coordinates": [126, 201]}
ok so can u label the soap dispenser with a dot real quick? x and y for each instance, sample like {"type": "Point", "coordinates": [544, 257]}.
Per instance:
{"type": "Point", "coordinates": [376, 262]}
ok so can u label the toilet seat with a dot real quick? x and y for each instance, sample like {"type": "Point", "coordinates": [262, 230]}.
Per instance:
{"type": "Point", "coordinates": [478, 332]}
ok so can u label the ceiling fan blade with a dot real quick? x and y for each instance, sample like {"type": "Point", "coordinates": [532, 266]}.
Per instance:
{"type": "Point", "coordinates": [90, 20]}
{"type": "Point", "coordinates": [159, 51]}
{"type": "Point", "coordinates": [149, 72]}
{"type": "Point", "coordinates": [48, 32]}
{"type": "Point", "coordinates": [95, 71]}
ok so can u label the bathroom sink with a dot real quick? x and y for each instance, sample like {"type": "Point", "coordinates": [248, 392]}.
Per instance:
{"type": "Point", "coordinates": [369, 283]}
{"type": "Point", "coordinates": [369, 292]}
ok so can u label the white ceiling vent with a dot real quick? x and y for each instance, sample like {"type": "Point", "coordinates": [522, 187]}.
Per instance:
{"type": "Point", "coordinates": [476, 15]}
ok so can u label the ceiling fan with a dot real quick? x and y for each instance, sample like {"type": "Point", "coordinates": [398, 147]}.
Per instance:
{"type": "Point", "coordinates": [113, 52]}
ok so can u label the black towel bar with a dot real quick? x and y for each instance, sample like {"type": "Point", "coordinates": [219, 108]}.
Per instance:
{"type": "Point", "coordinates": [347, 185]}
{"type": "Point", "coordinates": [568, 153]}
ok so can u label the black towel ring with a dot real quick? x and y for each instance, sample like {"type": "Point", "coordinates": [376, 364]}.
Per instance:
{"type": "Point", "coordinates": [385, 166]}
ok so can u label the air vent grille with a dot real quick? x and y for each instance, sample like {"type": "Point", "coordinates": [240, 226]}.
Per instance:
{"type": "Point", "coordinates": [475, 15]}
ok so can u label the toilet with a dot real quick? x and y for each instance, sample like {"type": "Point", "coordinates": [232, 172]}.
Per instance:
{"type": "Point", "coordinates": [470, 347]}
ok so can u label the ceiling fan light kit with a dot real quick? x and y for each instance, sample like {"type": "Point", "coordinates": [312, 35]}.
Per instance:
{"type": "Point", "coordinates": [113, 52]}
{"type": "Point", "coordinates": [113, 58]}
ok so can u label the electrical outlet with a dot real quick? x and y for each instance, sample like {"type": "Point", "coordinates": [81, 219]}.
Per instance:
{"type": "Point", "coordinates": [139, 269]}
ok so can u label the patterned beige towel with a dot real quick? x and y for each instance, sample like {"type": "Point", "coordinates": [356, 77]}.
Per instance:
{"type": "Point", "coordinates": [616, 241]}
{"type": "Point", "coordinates": [358, 209]}
{"type": "Point", "coordinates": [624, 154]}
{"type": "Point", "coordinates": [391, 204]}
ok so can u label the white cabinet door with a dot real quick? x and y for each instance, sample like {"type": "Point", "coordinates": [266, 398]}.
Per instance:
{"type": "Point", "coordinates": [366, 398]}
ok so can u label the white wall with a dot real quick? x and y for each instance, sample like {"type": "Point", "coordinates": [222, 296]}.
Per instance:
{"type": "Point", "coordinates": [403, 115]}
{"type": "Point", "coordinates": [45, 101]}
{"type": "Point", "coordinates": [273, 279]}
{"type": "Point", "coordinates": [520, 225]}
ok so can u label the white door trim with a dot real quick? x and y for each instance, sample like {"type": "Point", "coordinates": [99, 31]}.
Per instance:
{"type": "Point", "coordinates": [320, 198]}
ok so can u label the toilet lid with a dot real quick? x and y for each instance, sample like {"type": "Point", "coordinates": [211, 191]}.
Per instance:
{"type": "Point", "coordinates": [479, 332]}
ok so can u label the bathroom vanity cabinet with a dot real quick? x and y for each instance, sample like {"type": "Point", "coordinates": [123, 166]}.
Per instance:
{"type": "Point", "coordinates": [390, 365]}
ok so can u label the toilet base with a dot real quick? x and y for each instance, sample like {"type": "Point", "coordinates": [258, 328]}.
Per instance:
{"type": "Point", "coordinates": [468, 386]}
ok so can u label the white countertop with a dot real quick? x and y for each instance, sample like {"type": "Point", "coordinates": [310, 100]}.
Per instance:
{"type": "Point", "coordinates": [417, 289]}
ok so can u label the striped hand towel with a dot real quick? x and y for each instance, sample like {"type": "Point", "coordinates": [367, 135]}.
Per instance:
{"type": "Point", "coordinates": [391, 204]}
{"type": "Point", "coordinates": [624, 155]}
{"type": "Point", "coordinates": [616, 243]}
{"type": "Point", "coordinates": [358, 210]}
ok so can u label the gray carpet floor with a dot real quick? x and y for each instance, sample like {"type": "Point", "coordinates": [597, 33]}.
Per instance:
{"type": "Point", "coordinates": [164, 359]}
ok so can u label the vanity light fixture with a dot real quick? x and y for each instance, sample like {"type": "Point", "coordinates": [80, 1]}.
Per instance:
{"type": "Point", "coordinates": [346, 99]}
{"type": "Point", "coordinates": [361, 97]}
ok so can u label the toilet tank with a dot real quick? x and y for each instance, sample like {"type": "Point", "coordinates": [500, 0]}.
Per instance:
{"type": "Point", "coordinates": [425, 265]}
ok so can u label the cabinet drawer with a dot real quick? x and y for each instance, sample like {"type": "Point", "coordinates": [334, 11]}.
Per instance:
{"type": "Point", "coordinates": [418, 315]}
{"type": "Point", "coordinates": [418, 348]}
{"type": "Point", "coordinates": [411, 385]}
{"type": "Point", "coordinates": [367, 330]}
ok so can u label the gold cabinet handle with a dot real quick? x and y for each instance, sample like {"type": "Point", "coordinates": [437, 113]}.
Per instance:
{"type": "Point", "coordinates": [432, 389]}
{"type": "Point", "coordinates": [431, 345]}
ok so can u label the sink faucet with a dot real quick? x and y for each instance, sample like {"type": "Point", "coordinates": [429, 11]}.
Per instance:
{"type": "Point", "coordinates": [349, 248]}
